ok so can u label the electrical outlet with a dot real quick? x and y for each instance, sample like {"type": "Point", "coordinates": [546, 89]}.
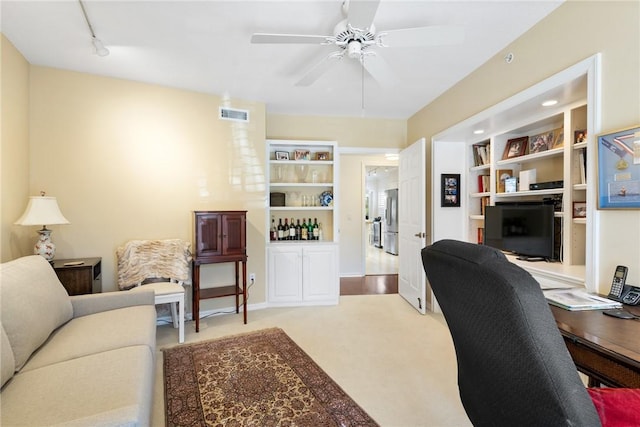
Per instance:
{"type": "Point", "coordinates": [252, 277]}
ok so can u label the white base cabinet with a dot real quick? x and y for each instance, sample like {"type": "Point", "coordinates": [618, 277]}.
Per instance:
{"type": "Point", "coordinates": [303, 274]}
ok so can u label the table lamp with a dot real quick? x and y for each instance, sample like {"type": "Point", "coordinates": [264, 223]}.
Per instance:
{"type": "Point", "coordinates": [43, 210]}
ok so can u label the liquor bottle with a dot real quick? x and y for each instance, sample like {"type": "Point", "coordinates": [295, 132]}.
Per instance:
{"type": "Point", "coordinates": [320, 233]}
{"type": "Point", "coordinates": [310, 230]}
{"type": "Point", "coordinates": [286, 229]}
{"type": "Point", "coordinates": [292, 231]}
{"type": "Point", "coordinates": [316, 231]}
{"type": "Point", "coordinates": [273, 233]}
{"type": "Point", "coordinates": [304, 232]}
{"type": "Point", "coordinates": [298, 230]}
{"type": "Point", "coordinates": [280, 230]}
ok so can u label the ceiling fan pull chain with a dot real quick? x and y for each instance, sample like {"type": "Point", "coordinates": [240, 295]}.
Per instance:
{"type": "Point", "coordinates": [362, 80]}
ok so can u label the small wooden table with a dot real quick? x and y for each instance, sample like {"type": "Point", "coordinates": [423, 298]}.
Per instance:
{"type": "Point", "coordinates": [604, 348]}
{"type": "Point", "coordinates": [78, 279]}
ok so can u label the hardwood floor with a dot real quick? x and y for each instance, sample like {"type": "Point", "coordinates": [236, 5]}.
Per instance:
{"type": "Point", "coordinates": [370, 284]}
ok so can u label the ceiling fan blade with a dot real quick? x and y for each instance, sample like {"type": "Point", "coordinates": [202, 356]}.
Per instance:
{"type": "Point", "coordinates": [437, 35]}
{"type": "Point", "coordinates": [320, 68]}
{"type": "Point", "coordinates": [379, 70]}
{"type": "Point", "coordinates": [361, 13]}
{"type": "Point", "coordinates": [289, 38]}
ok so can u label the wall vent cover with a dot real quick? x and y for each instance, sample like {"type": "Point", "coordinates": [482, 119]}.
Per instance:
{"type": "Point", "coordinates": [234, 114]}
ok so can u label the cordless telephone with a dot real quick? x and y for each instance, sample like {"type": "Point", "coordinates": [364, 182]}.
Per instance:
{"type": "Point", "coordinates": [617, 285]}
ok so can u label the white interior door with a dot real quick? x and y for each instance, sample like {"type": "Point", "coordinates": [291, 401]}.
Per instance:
{"type": "Point", "coordinates": [412, 225]}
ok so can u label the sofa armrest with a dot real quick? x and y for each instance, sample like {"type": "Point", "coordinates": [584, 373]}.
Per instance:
{"type": "Point", "coordinates": [94, 303]}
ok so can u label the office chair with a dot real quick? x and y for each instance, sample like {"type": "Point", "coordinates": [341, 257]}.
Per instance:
{"type": "Point", "coordinates": [161, 265]}
{"type": "Point", "coordinates": [513, 366]}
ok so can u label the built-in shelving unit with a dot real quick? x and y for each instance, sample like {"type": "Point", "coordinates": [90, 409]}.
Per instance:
{"type": "Point", "coordinates": [564, 158]}
{"type": "Point", "coordinates": [302, 184]}
{"type": "Point", "coordinates": [556, 162]}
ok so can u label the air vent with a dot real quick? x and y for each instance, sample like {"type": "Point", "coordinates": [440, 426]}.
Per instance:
{"type": "Point", "coordinates": [234, 114]}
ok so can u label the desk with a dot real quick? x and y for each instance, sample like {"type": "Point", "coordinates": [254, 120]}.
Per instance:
{"type": "Point", "coordinates": [604, 348]}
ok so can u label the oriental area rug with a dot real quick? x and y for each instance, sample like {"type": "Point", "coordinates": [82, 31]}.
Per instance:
{"type": "Point", "coordinates": [256, 379]}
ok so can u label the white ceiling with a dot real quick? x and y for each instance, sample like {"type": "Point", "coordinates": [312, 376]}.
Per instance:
{"type": "Point", "coordinates": [205, 46]}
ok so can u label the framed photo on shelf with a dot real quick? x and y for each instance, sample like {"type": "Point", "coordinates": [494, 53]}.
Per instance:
{"type": "Point", "coordinates": [579, 136]}
{"type": "Point", "coordinates": [282, 155]}
{"type": "Point", "coordinates": [579, 209]}
{"type": "Point", "coordinates": [450, 190]}
{"type": "Point", "coordinates": [541, 142]}
{"type": "Point", "coordinates": [301, 155]}
{"type": "Point", "coordinates": [515, 147]}
{"type": "Point", "coordinates": [322, 155]}
{"type": "Point", "coordinates": [558, 138]}
{"type": "Point", "coordinates": [619, 169]}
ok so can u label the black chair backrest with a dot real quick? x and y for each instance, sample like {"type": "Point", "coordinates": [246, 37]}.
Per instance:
{"type": "Point", "coordinates": [513, 366]}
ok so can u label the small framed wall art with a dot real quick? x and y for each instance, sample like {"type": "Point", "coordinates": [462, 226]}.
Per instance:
{"type": "Point", "coordinates": [450, 184]}
{"type": "Point", "coordinates": [619, 169]}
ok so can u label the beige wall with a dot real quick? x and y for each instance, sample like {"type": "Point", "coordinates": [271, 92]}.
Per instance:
{"type": "Point", "coordinates": [575, 31]}
{"type": "Point", "coordinates": [128, 160]}
{"type": "Point", "coordinates": [14, 151]}
{"type": "Point", "coordinates": [348, 131]}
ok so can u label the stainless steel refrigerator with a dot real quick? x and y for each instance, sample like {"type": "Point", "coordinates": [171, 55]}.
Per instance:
{"type": "Point", "coordinates": [390, 241]}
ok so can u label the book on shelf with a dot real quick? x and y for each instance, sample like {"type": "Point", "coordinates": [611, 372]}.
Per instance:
{"type": "Point", "coordinates": [484, 202]}
{"type": "Point", "coordinates": [480, 235]}
{"type": "Point", "coordinates": [576, 299]}
{"type": "Point", "coordinates": [583, 165]}
{"type": "Point", "coordinates": [481, 154]}
{"type": "Point", "coordinates": [483, 183]}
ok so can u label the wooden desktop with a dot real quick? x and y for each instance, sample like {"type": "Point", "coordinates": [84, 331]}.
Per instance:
{"type": "Point", "coordinates": [604, 348]}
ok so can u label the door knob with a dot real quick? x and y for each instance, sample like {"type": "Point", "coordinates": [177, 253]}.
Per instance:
{"type": "Point", "coordinates": [421, 234]}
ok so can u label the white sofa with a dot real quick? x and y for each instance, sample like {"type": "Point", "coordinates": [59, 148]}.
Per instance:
{"type": "Point", "coordinates": [85, 360]}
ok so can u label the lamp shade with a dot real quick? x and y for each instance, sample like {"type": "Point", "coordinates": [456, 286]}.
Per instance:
{"type": "Point", "coordinates": [42, 210]}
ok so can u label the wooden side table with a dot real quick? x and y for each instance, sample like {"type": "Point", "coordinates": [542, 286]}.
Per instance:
{"type": "Point", "coordinates": [78, 279]}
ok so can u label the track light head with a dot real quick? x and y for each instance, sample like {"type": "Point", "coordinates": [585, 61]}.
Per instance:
{"type": "Point", "coordinates": [100, 50]}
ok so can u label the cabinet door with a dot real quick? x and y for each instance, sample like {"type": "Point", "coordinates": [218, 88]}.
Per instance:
{"type": "Point", "coordinates": [234, 239]}
{"type": "Point", "coordinates": [208, 235]}
{"type": "Point", "coordinates": [320, 273]}
{"type": "Point", "coordinates": [285, 275]}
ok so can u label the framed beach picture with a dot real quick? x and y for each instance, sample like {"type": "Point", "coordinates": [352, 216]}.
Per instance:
{"type": "Point", "coordinates": [619, 169]}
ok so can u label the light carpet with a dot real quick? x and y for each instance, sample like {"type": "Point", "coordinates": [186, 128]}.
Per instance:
{"type": "Point", "coordinates": [261, 378]}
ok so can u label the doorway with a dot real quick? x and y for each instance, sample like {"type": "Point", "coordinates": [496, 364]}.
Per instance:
{"type": "Point", "coordinates": [380, 258]}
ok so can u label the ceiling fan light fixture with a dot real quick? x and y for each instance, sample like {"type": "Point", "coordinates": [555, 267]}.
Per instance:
{"type": "Point", "coordinates": [354, 49]}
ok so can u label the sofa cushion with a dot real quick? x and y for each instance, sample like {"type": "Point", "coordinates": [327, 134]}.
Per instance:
{"type": "Point", "coordinates": [113, 388]}
{"type": "Point", "coordinates": [7, 362]}
{"type": "Point", "coordinates": [34, 303]}
{"type": "Point", "coordinates": [104, 331]}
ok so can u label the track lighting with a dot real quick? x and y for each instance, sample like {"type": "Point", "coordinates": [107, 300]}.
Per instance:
{"type": "Point", "coordinates": [99, 47]}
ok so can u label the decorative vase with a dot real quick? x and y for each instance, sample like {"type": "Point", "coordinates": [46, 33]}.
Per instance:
{"type": "Point", "coordinates": [44, 246]}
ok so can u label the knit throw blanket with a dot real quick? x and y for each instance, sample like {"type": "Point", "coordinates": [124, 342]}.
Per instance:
{"type": "Point", "coordinates": [146, 259]}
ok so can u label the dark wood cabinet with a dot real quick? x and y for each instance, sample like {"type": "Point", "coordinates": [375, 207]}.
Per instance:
{"type": "Point", "coordinates": [220, 236]}
{"type": "Point", "coordinates": [80, 276]}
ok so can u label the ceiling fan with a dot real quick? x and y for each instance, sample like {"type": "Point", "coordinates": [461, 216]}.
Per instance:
{"type": "Point", "coordinates": [356, 37]}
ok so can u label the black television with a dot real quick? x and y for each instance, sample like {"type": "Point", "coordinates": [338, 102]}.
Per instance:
{"type": "Point", "coordinates": [526, 230]}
